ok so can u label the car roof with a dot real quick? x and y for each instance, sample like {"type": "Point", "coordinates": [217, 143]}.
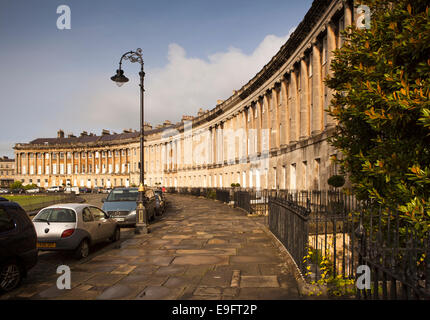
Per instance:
{"type": "Point", "coordinates": [74, 206]}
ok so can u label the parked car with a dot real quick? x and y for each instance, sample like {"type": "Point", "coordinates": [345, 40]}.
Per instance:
{"type": "Point", "coordinates": [73, 227]}
{"type": "Point", "coordinates": [97, 190]}
{"type": "Point", "coordinates": [17, 191]}
{"type": "Point", "coordinates": [32, 190]}
{"type": "Point", "coordinates": [70, 189]}
{"type": "Point", "coordinates": [4, 191]}
{"type": "Point", "coordinates": [84, 190]}
{"type": "Point", "coordinates": [121, 205]}
{"type": "Point", "coordinates": [18, 251]}
{"type": "Point", "coordinates": [55, 189]}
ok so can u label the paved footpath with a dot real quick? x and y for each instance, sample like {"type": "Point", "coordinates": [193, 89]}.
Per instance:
{"type": "Point", "coordinates": [200, 249]}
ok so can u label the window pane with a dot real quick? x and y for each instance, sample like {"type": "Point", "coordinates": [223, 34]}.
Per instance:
{"type": "Point", "coordinates": [97, 214]}
{"type": "Point", "coordinates": [6, 223]}
{"type": "Point", "coordinates": [86, 215]}
{"type": "Point", "coordinates": [56, 215]}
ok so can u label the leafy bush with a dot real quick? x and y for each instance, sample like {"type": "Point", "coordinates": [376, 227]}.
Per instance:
{"type": "Point", "coordinates": [211, 194]}
{"type": "Point", "coordinates": [336, 181]}
{"type": "Point", "coordinates": [16, 185]}
{"type": "Point", "coordinates": [382, 84]}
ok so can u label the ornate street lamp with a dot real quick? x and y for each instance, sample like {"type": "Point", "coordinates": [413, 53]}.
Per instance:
{"type": "Point", "coordinates": [120, 79]}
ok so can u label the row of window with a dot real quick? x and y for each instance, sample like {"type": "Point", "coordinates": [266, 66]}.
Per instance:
{"type": "Point", "coordinates": [253, 178]}
{"type": "Point", "coordinates": [104, 169]}
{"type": "Point", "coordinates": [81, 183]}
{"type": "Point", "coordinates": [122, 152]}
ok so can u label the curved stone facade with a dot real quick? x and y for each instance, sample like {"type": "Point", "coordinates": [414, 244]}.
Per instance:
{"type": "Point", "coordinates": [272, 133]}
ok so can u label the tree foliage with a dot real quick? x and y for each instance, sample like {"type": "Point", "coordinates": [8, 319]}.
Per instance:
{"type": "Point", "coordinates": [382, 85]}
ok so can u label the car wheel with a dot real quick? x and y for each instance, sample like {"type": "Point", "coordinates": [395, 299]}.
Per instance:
{"type": "Point", "coordinates": [10, 276]}
{"type": "Point", "coordinates": [83, 249]}
{"type": "Point", "coordinates": [117, 235]}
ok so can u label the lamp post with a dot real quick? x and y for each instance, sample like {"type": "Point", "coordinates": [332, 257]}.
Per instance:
{"type": "Point", "coordinates": [120, 79]}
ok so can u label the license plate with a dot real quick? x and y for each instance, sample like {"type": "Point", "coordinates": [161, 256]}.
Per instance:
{"type": "Point", "coordinates": [119, 219]}
{"type": "Point", "coordinates": [46, 244]}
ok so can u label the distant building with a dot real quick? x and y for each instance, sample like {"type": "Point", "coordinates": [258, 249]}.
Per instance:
{"type": "Point", "coordinates": [7, 171]}
{"type": "Point", "coordinates": [271, 133]}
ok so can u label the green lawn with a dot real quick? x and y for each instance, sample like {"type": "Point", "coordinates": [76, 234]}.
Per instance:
{"type": "Point", "coordinates": [35, 202]}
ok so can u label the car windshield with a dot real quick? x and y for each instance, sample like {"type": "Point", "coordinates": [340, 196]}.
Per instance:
{"type": "Point", "coordinates": [56, 215]}
{"type": "Point", "coordinates": [123, 195]}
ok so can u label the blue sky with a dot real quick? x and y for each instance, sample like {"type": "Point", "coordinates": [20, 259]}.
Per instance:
{"type": "Point", "coordinates": [195, 52]}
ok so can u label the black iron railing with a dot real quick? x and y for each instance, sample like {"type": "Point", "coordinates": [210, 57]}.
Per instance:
{"type": "Point", "coordinates": [289, 223]}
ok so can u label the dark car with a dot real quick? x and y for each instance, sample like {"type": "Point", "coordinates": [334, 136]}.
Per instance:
{"type": "Point", "coordinates": [18, 251]}
{"type": "Point", "coordinates": [96, 190]}
{"type": "Point", "coordinates": [17, 191]}
{"type": "Point", "coordinates": [121, 205]}
{"type": "Point", "coordinates": [84, 190]}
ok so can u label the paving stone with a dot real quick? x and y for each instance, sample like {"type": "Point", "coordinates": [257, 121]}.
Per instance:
{"type": "Point", "coordinates": [207, 291]}
{"type": "Point", "coordinates": [251, 259]}
{"type": "Point", "coordinates": [104, 279]}
{"type": "Point", "coordinates": [217, 241]}
{"type": "Point", "coordinates": [259, 282]}
{"type": "Point", "coordinates": [96, 268]}
{"type": "Point", "coordinates": [176, 282]}
{"type": "Point", "coordinates": [198, 271]}
{"type": "Point", "coordinates": [78, 294]}
{"type": "Point", "coordinates": [198, 260]}
{"type": "Point", "coordinates": [176, 236]}
{"type": "Point", "coordinates": [123, 269]}
{"type": "Point", "coordinates": [118, 291]}
{"type": "Point", "coordinates": [154, 260]}
{"type": "Point", "coordinates": [51, 292]}
{"type": "Point", "coordinates": [156, 293]}
{"type": "Point", "coordinates": [230, 292]}
{"type": "Point", "coordinates": [219, 251]}
{"type": "Point", "coordinates": [170, 270]}
{"type": "Point", "coordinates": [143, 279]}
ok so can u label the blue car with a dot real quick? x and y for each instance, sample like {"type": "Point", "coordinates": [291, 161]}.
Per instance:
{"type": "Point", "coordinates": [121, 205]}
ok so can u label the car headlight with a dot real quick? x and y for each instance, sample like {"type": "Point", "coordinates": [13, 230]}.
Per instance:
{"type": "Point", "coordinates": [132, 213]}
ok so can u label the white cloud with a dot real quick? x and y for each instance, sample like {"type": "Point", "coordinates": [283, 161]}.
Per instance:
{"type": "Point", "coordinates": [186, 84]}
{"type": "Point", "coordinates": [181, 87]}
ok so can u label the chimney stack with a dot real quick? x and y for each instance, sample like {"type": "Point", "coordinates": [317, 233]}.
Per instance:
{"type": "Point", "coordinates": [60, 134]}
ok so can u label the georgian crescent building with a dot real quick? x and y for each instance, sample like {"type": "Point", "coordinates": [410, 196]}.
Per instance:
{"type": "Point", "coordinates": [272, 133]}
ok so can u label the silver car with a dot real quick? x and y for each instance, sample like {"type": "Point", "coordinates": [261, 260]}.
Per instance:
{"type": "Point", "coordinates": [73, 227]}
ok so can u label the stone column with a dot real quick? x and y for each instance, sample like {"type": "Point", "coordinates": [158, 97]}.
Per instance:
{"type": "Point", "coordinates": [100, 162]}
{"type": "Point", "coordinates": [275, 119]}
{"type": "Point", "coordinates": [259, 123]}
{"type": "Point", "coordinates": [245, 133]}
{"type": "Point", "coordinates": [331, 46]}
{"type": "Point", "coordinates": [285, 133]}
{"type": "Point", "coordinates": [304, 100]}
{"type": "Point", "coordinates": [317, 98]}
{"type": "Point", "coordinates": [58, 163]}
{"type": "Point", "coordinates": [16, 164]}
{"type": "Point", "coordinates": [347, 13]}
{"type": "Point", "coordinates": [293, 107]}
{"type": "Point", "coordinates": [267, 120]}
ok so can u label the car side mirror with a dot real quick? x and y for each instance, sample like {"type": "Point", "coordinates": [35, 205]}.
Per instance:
{"type": "Point", "coordinates": [104, 199]}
